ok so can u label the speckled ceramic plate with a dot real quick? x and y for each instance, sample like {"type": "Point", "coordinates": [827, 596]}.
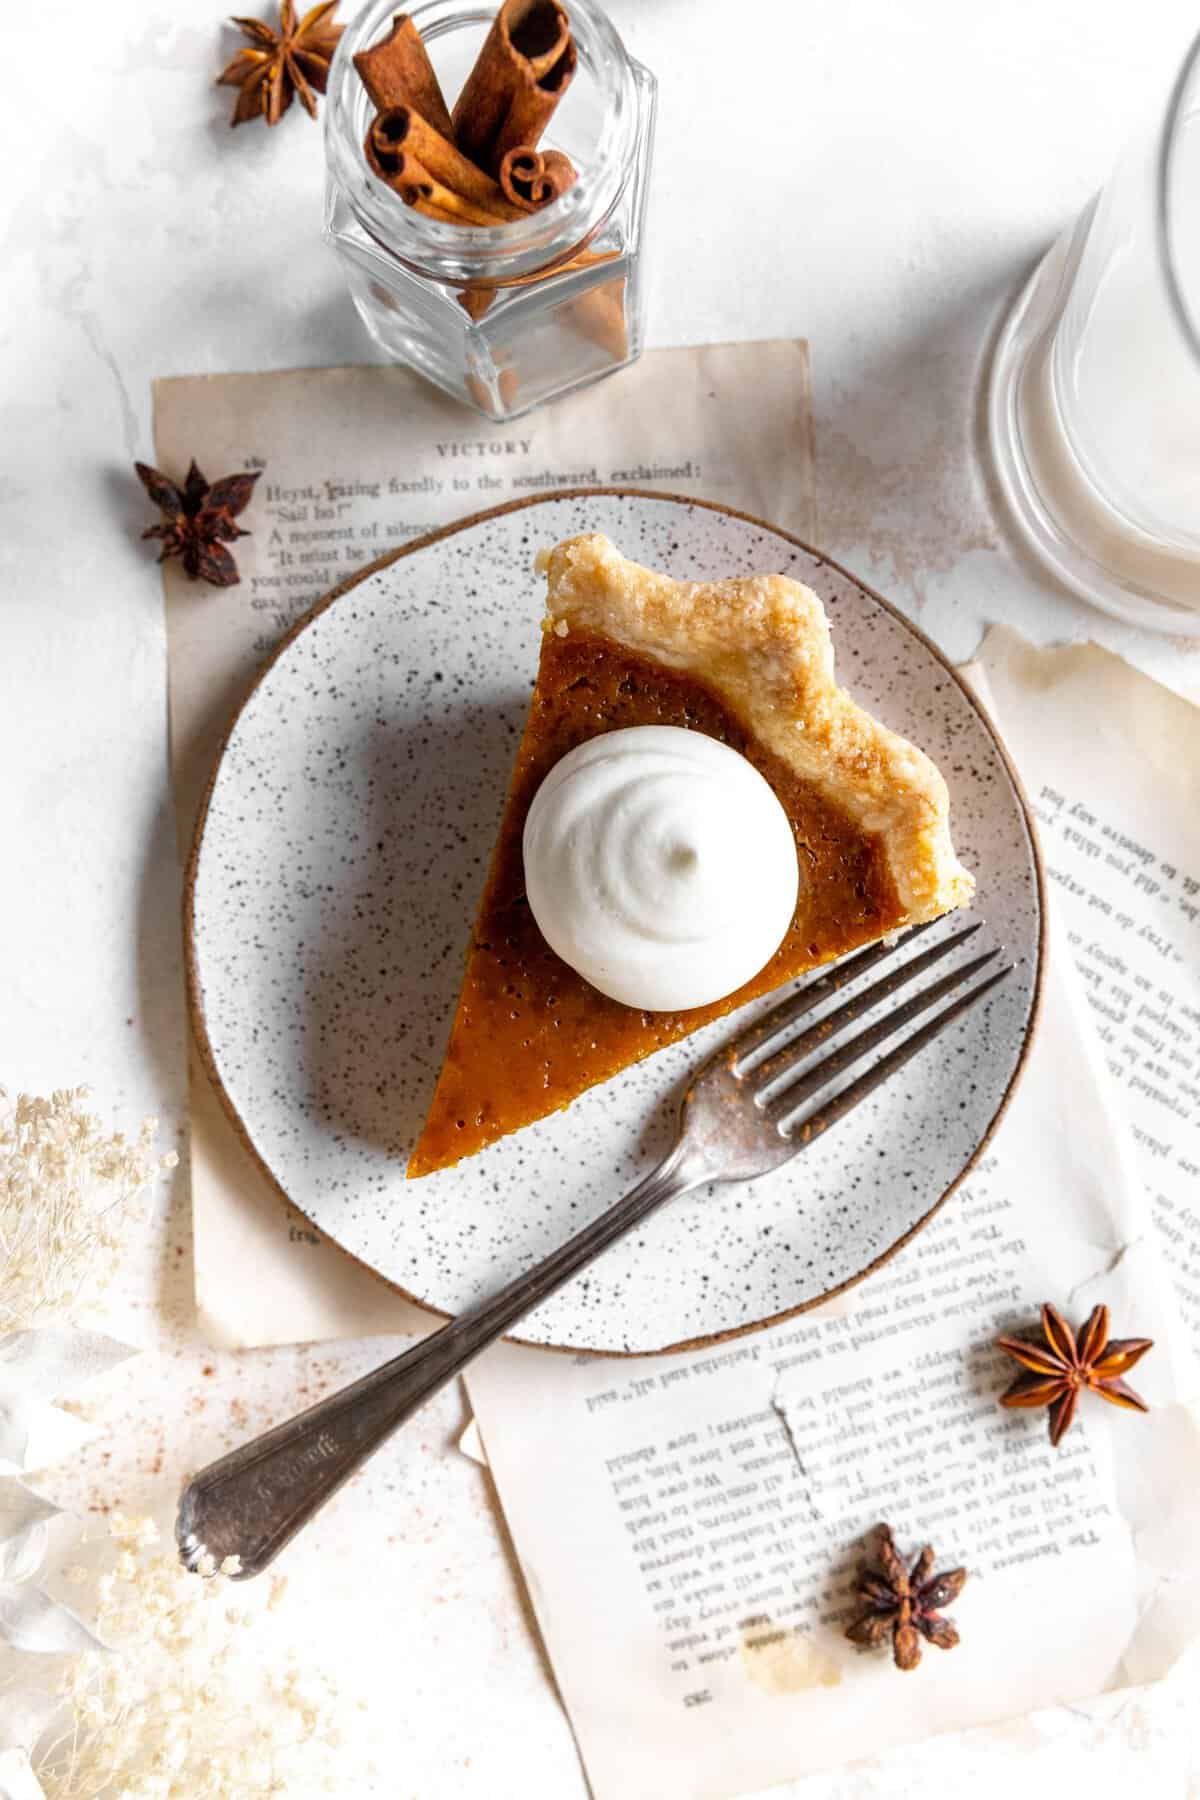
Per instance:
{"type": "Point", "coordinates": [337, 865]}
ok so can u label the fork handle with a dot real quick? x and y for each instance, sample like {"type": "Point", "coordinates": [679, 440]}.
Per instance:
{"type": "Point", "coordinates": [250, 1503]}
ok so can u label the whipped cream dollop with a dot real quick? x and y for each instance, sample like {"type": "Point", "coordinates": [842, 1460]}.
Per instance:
{"type": "Point", "coordinates": [660, 865]}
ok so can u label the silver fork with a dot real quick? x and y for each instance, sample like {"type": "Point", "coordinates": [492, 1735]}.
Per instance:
{"type": "Point", "coordinates": [741, 1116]}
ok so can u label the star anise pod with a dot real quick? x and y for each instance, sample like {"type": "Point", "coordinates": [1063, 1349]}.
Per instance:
{"type": "Point", "coordinates": [1066, 1362]}
{"type": "Point", "coordinates": [279, 64]}
{"type": "Point", "coordinates": [905, 1604]}
{"type": "Point", "coordinates": [197, 520]}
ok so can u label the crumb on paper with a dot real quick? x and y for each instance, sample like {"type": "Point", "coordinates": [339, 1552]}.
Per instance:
{"type": "Point", "coordinates": [782, 1661]}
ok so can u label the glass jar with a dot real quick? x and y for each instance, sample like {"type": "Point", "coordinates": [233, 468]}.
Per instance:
{"type": "Point", "coordinates": [1094, 408]}
{"type": "Point", "coordinates": [502, 317]}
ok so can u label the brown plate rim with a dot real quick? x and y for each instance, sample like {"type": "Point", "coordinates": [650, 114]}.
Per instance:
{"type": "Point", "coordinates": [196, 1009]}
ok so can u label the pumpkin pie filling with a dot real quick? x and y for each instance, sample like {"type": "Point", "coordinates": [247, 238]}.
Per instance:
{"type": "Point", "coordinates": [530, 1034]}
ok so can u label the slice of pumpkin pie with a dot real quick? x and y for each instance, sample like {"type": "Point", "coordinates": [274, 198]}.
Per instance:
{"type": "Point", "coordinates": [749, 822]}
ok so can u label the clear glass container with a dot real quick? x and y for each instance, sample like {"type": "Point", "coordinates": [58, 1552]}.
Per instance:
{"type": "Point", "coordinates": [1094, 403]}
{"type": "Point", "coordinates": [558, 297]}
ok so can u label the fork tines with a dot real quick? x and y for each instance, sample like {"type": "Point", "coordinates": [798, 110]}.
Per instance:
{"type": "Point", "coordinates": [785, 1078]}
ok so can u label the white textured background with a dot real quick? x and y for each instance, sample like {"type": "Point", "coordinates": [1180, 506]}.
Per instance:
{"type": "Point", "coordinates": [895, 174]}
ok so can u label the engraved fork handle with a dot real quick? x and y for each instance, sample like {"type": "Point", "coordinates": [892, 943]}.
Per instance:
{"type": "Point", "coordinates": [251, 1502]}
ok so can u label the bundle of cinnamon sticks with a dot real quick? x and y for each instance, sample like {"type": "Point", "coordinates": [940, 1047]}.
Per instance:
{"type": "Point", "coordinates": [480, 164]}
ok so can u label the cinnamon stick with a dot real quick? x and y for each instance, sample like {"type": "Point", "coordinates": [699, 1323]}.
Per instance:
{"type": "Point", "coordinates": [450, 205]}
{"type": "Point", "coordinates": [394, 167]}
{"type": "Point", "coordinates": [419, 195]}
{"type": "Point", "coordinates": [401, 137]}
{"type": "Point", "coordinates": [521, 74]}
{"type": "Point", "coordinates": [600, 315]}
{"type": "Point", "coordinates": [534, 106]}
{"type": "Point", "coordinates": [532, 178]}
{"type": "Point", "coordinates": [418, 188]}
{"type": "Point", "coordinates": [419, 201]}
{"type": "Point", "coordinates": [475, 300]}
{"type": "Point", "coordinates": [397, 72]}
{"type": "Point", "coordinates": [509, 385]}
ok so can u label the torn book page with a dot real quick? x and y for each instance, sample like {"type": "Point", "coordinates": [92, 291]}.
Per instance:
{"type": "Point", "coordinates": [357, 462]}
{"type": "Point", "coordinates": [1111, 763]}
{"type": "Point", "coordinates": [690, 1526]}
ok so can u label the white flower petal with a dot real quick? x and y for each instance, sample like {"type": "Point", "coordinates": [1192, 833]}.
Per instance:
{"type": "Point", "coordinates": [25, 1716]}
{"type": "Point", "coordinates": [39, 1366]}
{"type": "Point", "coordinates": [44, 1365]}
{"type": "Point", "coordinates": [20, 1506]}
{"type": "Point", "coordinates": [17, 1779]}
{"type": "Point", "coordinates": [22, 1555]}
{"type": "Point", "coordinates": [23, 1534]}
{"type": "Point", "coordinates": [53, 1437]}
{"type": "Point", "coordinates": [14, 1433]}
{"type": "Point", "coordinates": [31, 1620]}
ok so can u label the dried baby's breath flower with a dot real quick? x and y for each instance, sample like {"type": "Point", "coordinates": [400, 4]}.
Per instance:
{"type": "Point", "coordinates": [69, 1189]}
{"type": "Point", "coordinates": [186, 1705]}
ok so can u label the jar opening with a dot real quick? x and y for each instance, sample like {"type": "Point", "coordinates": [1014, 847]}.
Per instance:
{"type": "Point", "coordinates": [596, 126]}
